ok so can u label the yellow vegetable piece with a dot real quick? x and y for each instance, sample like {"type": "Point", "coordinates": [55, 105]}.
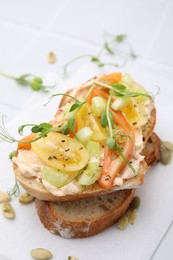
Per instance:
{"type": "Point", "coordinates": [135, 112]}
{"type": "Point", "coordinates": [61, 152]}
{"type": "Point", "coordinates": [85, 117]}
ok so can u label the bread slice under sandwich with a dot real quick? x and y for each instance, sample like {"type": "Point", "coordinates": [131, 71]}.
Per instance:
{"type": "Point", "coordinates": [87, 217]}
{"type": "Point", "coordinates": [84, 218]}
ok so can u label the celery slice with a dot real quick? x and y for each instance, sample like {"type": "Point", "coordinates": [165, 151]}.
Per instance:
{"type": "Point", "coordinates": [93, 149]}
{"type": "Point", "coordinates": [55, 177]}
{"type": "Point", "coordinates": [91, 174]}
{"type": "Point", "coordinates": [98, 105]}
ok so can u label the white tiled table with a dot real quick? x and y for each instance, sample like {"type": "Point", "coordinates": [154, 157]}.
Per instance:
{"type": "Point", "coordinates": [30, 29]}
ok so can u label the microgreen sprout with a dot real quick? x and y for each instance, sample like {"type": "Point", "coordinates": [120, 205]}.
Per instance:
{"type": "Point", "coordinates": [109, 47]}
{"type": "Point", "coordinates": [120, 90]}
{"type": "Point", "coordinates": [11, 154]}
{"type": "Point", "coordinates": [34, 82]}
{"type": "Point", "coordinates": [15, 191]}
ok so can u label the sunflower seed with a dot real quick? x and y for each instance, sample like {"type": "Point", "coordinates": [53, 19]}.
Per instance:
{"type": "Point", "coordinates": [26, 198]}
{"type": "Point", "coordinates": [131, 213]}
{"type": "Point", "coordinates": [135, 203]}
{"type": "Point", "coordinates": [4, 197]}
{"type": "Point", "coordinates": [51, 57]}
{"type": "Point", "coordinates": [73, 258]}
{"type": "Point", "coordinates": [168, 145]}
{"type": "Point", "coordinates": [122, 222]}
{"type": "Point", "coordinates": [7, 210]}
{"type": "Point", "coordinates": [41, 253]}
{"type": "Point", "coordinates": [165, 156]}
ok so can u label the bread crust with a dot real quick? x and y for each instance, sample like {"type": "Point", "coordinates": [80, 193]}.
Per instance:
{"type": "Point", "coordinates": [58, 224]}
{"type": "Point", "coordinates": [36, 188]}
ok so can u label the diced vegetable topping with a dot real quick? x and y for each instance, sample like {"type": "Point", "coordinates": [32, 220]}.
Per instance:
{"type": "Point", "coordinates": [91, 174]}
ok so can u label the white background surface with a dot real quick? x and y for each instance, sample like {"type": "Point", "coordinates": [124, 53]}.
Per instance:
{"type": "Point", "coordinates": [29, 30]}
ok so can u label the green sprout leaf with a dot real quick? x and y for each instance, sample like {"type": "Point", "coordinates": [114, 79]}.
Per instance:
{"type": "Point", "coordinates": [65, 130]}
{"type": "Point", "coordinates": [107, 47]}
{"type": "Point", "coordinates": [95, 59]}
{"type": "Point", "coordinates": [23, 79]}
{"type": "Point", "coordinates": [110, 142]}
{"type": "Point", "coordinates": [103, 119]}
{"type": "Point", "coordinates": [76, 105]}
{"type": "Point", "coordinates": [71, 124]}
{"type": "Point", "coordinates": [120, 37]}
{"type": "Point", "coordinates": [34, 82]}
{"type": "Point", "coordinates": [119, 87]}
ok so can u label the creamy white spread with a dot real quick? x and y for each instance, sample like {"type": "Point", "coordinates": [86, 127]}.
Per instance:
{"type": "Point", "coordinates": [70, 188]}
{"type": "Point", "coordinates": [118, 182]}
{"type": "Point", "coordinates": [28, 163]}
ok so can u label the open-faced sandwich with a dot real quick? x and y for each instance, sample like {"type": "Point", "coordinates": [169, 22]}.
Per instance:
{"type": "Point", "coordinates": [84, 166]}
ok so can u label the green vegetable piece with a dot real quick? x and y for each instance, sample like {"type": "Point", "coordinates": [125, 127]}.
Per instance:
{"type": "Point", "coordinates": [91, 174]}
{"type": "Point", "coordinates": [55, 177]}
{"type": "Point", "coordinates": [93, 149]}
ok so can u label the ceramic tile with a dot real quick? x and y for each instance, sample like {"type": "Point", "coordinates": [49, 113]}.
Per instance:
{"type": "Point", "coordinates": [12, 42]}
{"type": "Point", "coordinates": [164, 251]}
{"type": "Point", "coordinates": [88, 20]}
{"type": "Point", "coordinates": [7, 112]}
{"type": "Point", "coordinates": [32, 13]}
{"type": "Point", "coordinates": [161, 49]}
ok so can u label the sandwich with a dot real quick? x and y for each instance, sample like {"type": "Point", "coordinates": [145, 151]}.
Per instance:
{"type": "Point", "coordinates": [84, 166]}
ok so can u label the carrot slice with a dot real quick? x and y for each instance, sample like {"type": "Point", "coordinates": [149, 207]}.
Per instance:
{"type": "Point", "coordinates": [113, 166]}
{"type": "Point", "coordinates": [97, 92]}
{"type": "Point", "coordinates": [25, 143]}
{"type": "Point", "coordinates": [112, 78]}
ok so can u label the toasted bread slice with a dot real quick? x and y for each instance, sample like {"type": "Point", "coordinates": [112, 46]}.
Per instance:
{"type": "Point", "coordinates": [84, 218]}
{"type": "Point", "coordinates": [36, 188]}
{"type": "Point", "coordinates": [151, 150]}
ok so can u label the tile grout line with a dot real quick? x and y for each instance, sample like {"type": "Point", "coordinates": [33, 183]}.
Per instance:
{"type": "Point", "coordinates": [161, 240]}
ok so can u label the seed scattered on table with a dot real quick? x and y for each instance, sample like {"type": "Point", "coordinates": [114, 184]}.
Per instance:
{"type": "Point", "coordinates": [122, 222]}
{"type": "Point", "coordinates": [26, 198]}
{"type": "Point", "coordinates": [4, 197]}
{"type": "Point", "coordinates": [7, 210]}
{"type": "Point", "coordinates": [41, 254]}
{"type": "Point", "coordinates": [51, 57]}
{"type": "Point", "coordinates": [135, 203]}
{"type": "Point", "coordinates": [73, 258]}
